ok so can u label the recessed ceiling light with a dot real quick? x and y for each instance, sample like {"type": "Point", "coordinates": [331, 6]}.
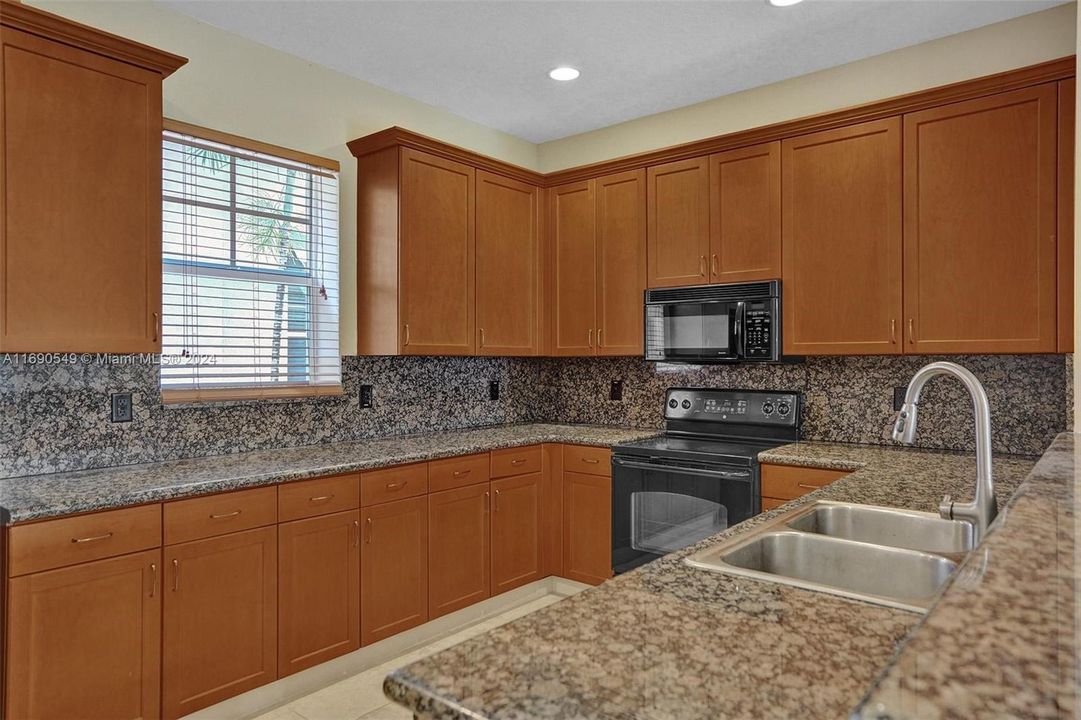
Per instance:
{"type": "Point", "coordinates": [783, 3]}
{"type": "Point", "coordinates": [563, 74]}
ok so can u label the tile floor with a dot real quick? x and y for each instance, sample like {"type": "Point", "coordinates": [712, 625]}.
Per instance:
{"type": "Point", "coordinates": [361, 696]}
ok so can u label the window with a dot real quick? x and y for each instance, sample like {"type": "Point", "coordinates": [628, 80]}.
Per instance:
{"type": "Point", "coordinates": [249, 269]}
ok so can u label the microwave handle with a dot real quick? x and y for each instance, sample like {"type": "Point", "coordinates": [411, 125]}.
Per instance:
{"type": "Point", "coordinates": [738, 334]}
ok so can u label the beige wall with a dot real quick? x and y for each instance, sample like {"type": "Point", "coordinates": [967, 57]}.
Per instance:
{"type": "Point", "coordinates": [1015, 43]}
{"type": "Point", "coordinates": [238, 86]}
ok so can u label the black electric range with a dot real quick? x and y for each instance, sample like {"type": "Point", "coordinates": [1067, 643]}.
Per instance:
{"type": "Point", "coordinates": [701, 476]}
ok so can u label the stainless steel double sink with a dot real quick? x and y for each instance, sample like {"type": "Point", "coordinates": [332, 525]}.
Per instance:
{"type": "Point", "coordinates": [897, 558]}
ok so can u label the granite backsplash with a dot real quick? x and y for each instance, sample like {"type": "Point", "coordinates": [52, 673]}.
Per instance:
{"type": "Point", "coordinates": [55, 417]}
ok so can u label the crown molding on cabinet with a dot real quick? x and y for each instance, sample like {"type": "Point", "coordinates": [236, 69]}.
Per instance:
{"type": "Point", "coordinates": [1049, 71]}
{"type": "Point", "coordinates": [22, 17]}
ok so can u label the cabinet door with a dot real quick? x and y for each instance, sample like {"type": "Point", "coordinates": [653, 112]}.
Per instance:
{"type": "Point", "coordinates": [80, 241]}
{"type": "Point", "coordinates": [980, 225]}
{"type": "Point", "coordinates": [1067, 103]}
{"type": "Point", "coordinates": [508, 258]}
{"type": "Point", "coordinates": [516, 531]}
{"type": "Point", "coordinates": [437, 254]}
{"type": "Point", "coordinates": [573, 219]}
{"type": "Point", "coordinates": [587, 527]}
{"type": "Point", "coordinates": [841, 236]}
{"type": "Point", "coordinates": [319, 590]}
{"type": "Point", "coordinates": [745, 214]}
{"type": "Point", "coordinates": [393, 568]}
{"type": "Point", "coordinates": [678, 223]}
{"type": "Point", "coordinates": [621, 262]}
{"type": "Point", "coordinates": [459, 548]}
{"type": "Point", "coordinates": [220, 620]}
{"type": "Point", "coordinates": [85, 641]}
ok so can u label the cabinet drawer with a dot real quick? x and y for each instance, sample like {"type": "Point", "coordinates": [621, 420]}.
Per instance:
{"type": "Point", "coordinates": [320, 496]}
{"type": "Point", "coordinates": [67, 541]}
{"type": "Point", "coordinates": [587, 459]}
{"type": "Point", "coordinates": [219, 514]}
{"type": "Point", "coordinates": [788, 482]}
{"type": "Point", "coordinates": [458, 472]}
{"type": "Point", "coordinates": [769, 503]}
{"type": "Point", "coordinates": [516, 461]}
{"type": "Point", "coordinates": [396, 483]}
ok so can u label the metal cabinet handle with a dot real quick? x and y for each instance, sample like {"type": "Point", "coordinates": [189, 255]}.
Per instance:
{"type": "Point", "coordinates": [893, 331]}
{"type": "Point", "coordinates": [157, 325]}
{"type": "Point", "coordinates": [713, 264]}
{"type": "Point", "coordinates": [92, 538]}
{"type": "Point", "coordinates": [702, 266]}
{"type": "Point", "coordinates": [487, 501]}
{"type": "Point", "coordinates": [591, 461]}
{"type": "Point", "coordinates": [397, 486]}
{"type": "Point", "coordinates": [517, 461]}
{"type": "Point", "coordinates": [406, 334]}
{"type": "Point", "coordinates": [220, 516]}
{"type": "Point", "coordinates": [371, 531]}
{"type": "Point", "coordinates": [590, 337]}
{"type": "Point", "coordinates": [495, 504]}
{"type": "Point", "coordinates": [482, 337]}
{"type": "Point", "coordinates": [911, 332]}
{"type": "Point", "coordinates": [356, 538]}
{"type": "Point", "coordinates": [153, 579]}
{"type": "Point", "coordinates": [460, 473]}
{"type": "Point", "coordinates": [600, 337]}
{"type": "Point", "coordinates": [806, 486]}
{"type": "Point", "coordinates": [321, 498]}
{"type": "Point", "coordinates": [176, 574]}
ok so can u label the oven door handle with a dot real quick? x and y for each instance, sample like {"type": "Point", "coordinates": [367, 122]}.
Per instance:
{"type": "Point", "coordinates": [741, 475]}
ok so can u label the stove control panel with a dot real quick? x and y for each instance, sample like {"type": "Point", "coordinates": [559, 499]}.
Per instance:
{"type": "Point", "coordinates": [744, 407]}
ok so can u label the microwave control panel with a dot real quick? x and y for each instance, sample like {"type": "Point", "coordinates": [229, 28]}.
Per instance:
{"type": "Point", "coordinates": [758, 330]}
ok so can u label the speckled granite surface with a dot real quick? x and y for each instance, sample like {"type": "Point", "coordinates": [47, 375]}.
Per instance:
{"type": "Point", "coordinates": [39, 496]}
{"type": "Point", "coordinates": [670, 641]}
{"type": "Point", "coordinates": [1003, 641]}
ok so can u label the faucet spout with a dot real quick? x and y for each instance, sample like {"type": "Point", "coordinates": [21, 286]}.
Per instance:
{"type": "Point", "coordinates": [984, 507]}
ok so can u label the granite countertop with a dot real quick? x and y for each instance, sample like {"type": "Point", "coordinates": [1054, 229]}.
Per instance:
{"type": "Point", "coordinates": [670, 641]}
{"type": "Point", "coordinates": [35, 497]}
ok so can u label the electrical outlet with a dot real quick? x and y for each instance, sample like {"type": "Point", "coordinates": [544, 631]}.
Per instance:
{"type": "Point", "coordinates": [899, 397]}
{"type": "Point", "coordinates": [615, 392]}
{"type": "Point", "coordinates": [120, 410]}
{"type": "Point", "coordinates": [365, 396]}
{"type": "Point", "coordinates": [493, 389]}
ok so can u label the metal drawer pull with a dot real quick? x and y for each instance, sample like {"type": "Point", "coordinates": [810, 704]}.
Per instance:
{"type": "Point", "coordinates": [106, 536]}
{"type": "Point", "coordinates": [225, 515]}
{"type": "Point", "coordinates": [591, 461]}
{"type": "Point", "coordinates": [176, 574]}
{"type": "Point", "coordinates": [321, 498]}
{"type": "Point", "coordinates": [397, 486]}
{"type": "Point", "coordinates": [805, 486]}
{"type": "Point", "coordinates": [153, 579]}
{"type": "Point", "coordinates": [517, 461]}
{"type": "Point", "coordinates": [371, 531]}
{"type": "Point", "coordinates": [460, 473]}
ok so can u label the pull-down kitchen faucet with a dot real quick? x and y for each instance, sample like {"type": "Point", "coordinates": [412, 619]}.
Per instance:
{"type": "Point", "coordinates": [983, 508]}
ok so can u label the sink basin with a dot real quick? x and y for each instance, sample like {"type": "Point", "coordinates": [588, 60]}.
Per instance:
{"type": "Point", "coordinates": [886, 526]}
{"type": "Point", "coordinates": [896, 558]}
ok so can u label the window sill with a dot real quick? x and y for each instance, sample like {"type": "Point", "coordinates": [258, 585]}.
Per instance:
{"type": "Point", "coordinates": [209, 395]}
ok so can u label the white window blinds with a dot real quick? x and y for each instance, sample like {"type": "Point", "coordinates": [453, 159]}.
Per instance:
{"type": "Point", "coordinates": [250, 273]}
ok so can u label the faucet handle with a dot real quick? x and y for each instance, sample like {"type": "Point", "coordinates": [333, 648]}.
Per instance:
{"type": "Point", "coordinates": [945, 508]}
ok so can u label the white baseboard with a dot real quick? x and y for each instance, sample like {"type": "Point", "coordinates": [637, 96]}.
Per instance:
{"type": "Point", "coordinates": [280, 692]}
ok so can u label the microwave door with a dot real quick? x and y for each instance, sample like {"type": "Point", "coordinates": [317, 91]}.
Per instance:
{"type": "Point", "coordinates": [700, 331]}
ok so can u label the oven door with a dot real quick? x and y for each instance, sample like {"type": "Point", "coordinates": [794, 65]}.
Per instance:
{"type": "Point", "coordinates": [661, 505]}
{"type": "Point", "coordinates": [694, 331]}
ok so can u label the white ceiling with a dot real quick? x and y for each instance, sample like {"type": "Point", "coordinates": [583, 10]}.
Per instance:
{"type": "Point", "coordinates": [488, 60]}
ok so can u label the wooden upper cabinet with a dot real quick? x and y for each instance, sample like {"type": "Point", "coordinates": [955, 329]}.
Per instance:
{"type": "Point", "coordinates": [437, 257]}
{"type": "Point", "coordinates": [318, 590]}
{"type": "Point", "coordinates": [678, 201]}
{"type": "Point", "coordinates": [221, 619]}
{"type": "Point", "coordinates": [841, 231]}
{"type": "Point", "coordinates": [621, 262]}
{"type": "Point", "coordinates": [85, 641]}
{"type": "Point", "coordinates": [459, 548]}
{"type": "Point", "coordinates": [745, 214]}
{"type": "Point", "coordinates": [573, 248]}
{"type": "Point", "coordinates": [80, 150]}
{"type": "Point", "coordinates": [980, 225]}
{"type": "Point", "coordinates": [516, 531]}
{"type": "Point", "coordinates": [393, 568]}
{"type": "Point", "coordinates": [508, 261]}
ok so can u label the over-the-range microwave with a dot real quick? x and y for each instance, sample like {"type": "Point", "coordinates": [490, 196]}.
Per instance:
{"type": "Point", "coordinates": [732, 322]}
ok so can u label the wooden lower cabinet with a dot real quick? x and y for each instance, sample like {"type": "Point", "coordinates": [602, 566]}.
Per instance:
{"type": "Point", "coordinates": [516, 531]}
{"type": "Point", "coordinates": [220, 619]}
{"type": "Point", "coordinates": [318, 590]}
{"type": "Point", "coordinates": [393, 568]}
{"type": "Point", "coordinates": [781, 483]}
{"type": "Point", "coordinates": [587, 527]}
{"type": "Point", "coordinates": [85, 641]}
{"type": "Point", "coordinates": [459, 548]}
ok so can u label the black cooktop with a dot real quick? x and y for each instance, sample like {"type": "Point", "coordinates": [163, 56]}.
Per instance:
{"type": "Point", "coordinates": [704, 450]}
